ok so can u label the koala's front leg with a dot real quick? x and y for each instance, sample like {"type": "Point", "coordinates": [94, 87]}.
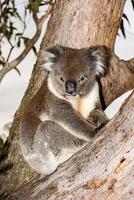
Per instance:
{"type": "Point", "coordinates": [73, 122]}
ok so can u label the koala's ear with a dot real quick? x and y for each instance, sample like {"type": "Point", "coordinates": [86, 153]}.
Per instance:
{"type": "Point", "coordinates": [51, 56]}
{"type": "Point", "coordinates": [98, 57]}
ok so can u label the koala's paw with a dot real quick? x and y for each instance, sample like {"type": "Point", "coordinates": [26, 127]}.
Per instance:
{"type": "Point", "coordinates": [98, 118]}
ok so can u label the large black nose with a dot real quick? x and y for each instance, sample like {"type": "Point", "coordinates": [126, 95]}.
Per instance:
{"type": "Point", "coordinates": [71, 88]}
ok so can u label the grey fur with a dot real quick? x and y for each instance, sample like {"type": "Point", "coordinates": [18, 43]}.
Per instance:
{"type": "Point", "coordinates": [51, 130]}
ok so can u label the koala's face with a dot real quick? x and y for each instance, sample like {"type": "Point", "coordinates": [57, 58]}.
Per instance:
{"type": "Point", "coordinates": [72, 76]}
{"type": "Point", "coordinates": [73, 72]}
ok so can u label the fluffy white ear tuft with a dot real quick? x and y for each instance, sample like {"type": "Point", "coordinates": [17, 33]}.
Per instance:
{"type": "Point", "coordinates": [51, 56]}
{"type": "Point", "coordinates": [49, 60]}
{"type": "Point", "coordinates": [100, 67]}
{"type": "Point", "coordinates": [98, 57]}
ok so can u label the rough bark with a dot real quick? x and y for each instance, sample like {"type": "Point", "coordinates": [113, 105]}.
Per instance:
{"type": "Point", "coordinates": [103, 169]}
{"type": "Point", "coordinates": [119, 80]}
{"type": "Point", "coordinates": [76, 24]}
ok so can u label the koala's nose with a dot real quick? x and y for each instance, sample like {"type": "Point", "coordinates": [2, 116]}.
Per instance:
{"type": "Point", "coordinates": [71, 88]}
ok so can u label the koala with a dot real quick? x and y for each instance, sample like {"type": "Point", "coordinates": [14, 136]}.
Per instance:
{"type": "Point", "coordinates": [56, 122]}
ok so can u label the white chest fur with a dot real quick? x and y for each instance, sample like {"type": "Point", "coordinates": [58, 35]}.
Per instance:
{"type": "Point", "coordinates": [82, 104]}
{"type": "Point", "coordinates": [87, 103]}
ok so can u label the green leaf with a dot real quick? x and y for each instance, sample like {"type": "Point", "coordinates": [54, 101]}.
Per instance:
{"type": "Point", "coordinates": [1, 61]}
{"type": "Point", "coordinates": [125, 17]}
{"type": "Point", "coordinates": [34, 50]}
{"type": "Point", "coordinates": [19, 34]}
{"type": "Point", "coordinates": [37, 3]}
{"type": "Point", "coordinates": [18, 43]}
{"type": "Point", "coordinates": [122, 28]}
{"type": "Point", "coordinates": [132, 1]}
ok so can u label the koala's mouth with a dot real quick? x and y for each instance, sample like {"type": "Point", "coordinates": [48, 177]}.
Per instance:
{"type": "Point", "coordinates": [72, 95]}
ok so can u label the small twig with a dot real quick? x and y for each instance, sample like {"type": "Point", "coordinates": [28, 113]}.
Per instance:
{"type": "Point", "coordinates": [43, 18]}
{"type": "Point", "coordinates": [13, 64]}
{"type": "Point", "coordinates": [34, 11]}
{"type": "Point", "coordinates": [13, 46]}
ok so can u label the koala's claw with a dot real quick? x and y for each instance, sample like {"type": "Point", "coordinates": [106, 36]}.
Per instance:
{"type": "Point", "coordinates": [101, 126]}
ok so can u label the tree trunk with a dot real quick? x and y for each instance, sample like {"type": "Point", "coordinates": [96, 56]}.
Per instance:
{"type": "Point", "coordinates": [103, 169]}
{"type": "Point", "coordinates": [74, 23]}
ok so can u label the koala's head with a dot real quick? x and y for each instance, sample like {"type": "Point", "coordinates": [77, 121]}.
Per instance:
{"type": "Point", "coordinates": [73, 72]}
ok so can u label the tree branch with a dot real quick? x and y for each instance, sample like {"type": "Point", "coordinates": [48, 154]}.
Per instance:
{"type": "Point", "coordinates": [34, 11]}
{"type": "Point", "coordinates": [103, 168]}
{"type": "Point", "coordinates": [13, 64]}
{"type": "Point", "coordinates": [119, 80]}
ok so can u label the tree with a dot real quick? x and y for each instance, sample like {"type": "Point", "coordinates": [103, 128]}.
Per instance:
{"type": "Point", "coordinates": [91, 22]}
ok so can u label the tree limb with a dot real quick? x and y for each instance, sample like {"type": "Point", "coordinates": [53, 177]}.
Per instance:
{"type": "Point", "coordinates": [119, 80]}
{"type": "Point", "coordinates": [103, 169]}
{"type": "Point", "coordinates": [13, 64]}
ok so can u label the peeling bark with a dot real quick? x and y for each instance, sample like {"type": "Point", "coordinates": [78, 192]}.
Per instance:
{"type": "Point", "coordinates": [103, 169]}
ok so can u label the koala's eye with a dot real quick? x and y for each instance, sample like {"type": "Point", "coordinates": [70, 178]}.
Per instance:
{"type": "Point", "coordinates": [61, 79]}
